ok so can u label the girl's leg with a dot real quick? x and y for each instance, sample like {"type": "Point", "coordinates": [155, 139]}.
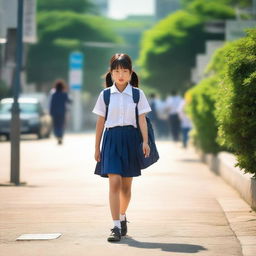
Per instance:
{"type": "Point", "coordinates": [114, 201]}
{"type": "Point", "coordinates": [115, 182]}
{"type": "Point", "coordinates": [185, 136]}
{"type": "Point", "coordinates": [125, 194]}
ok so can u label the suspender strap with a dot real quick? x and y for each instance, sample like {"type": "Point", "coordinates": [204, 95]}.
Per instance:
{"type": "Point", "coordinates": [106, 97]}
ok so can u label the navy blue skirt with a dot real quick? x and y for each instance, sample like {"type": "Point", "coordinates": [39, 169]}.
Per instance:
{"type": "Point", "coordinates": [119, 152]}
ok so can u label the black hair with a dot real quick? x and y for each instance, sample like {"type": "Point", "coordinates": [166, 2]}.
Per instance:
{"type": "Point", "coordinates": [121, 60]}
{"type": "Point", "coordinates": [60, 85]}
{"type": "Point", "coordinates": [174, 92]}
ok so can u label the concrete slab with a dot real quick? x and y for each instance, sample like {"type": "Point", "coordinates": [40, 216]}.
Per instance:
{"type": "Point", "coordinates": [32, 237]}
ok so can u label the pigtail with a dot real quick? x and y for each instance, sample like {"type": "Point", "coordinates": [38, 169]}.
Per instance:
{"type": "Point", "coordinates": [108, 80]}
{"type": "Point", "coordinates": [134, 80]}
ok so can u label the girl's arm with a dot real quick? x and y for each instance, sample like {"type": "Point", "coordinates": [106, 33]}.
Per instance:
{"type": "Point", "coordinates": [144, 133]}
{"type": "Point", "coordinates": [99, 131]}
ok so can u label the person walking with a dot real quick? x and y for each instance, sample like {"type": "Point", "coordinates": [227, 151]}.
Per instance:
{"type": "Point", "coordinates": [58, 103]}
{"type": "Point", "coordinates": [117, 158]}
{"type": "Point", "coordinates": [152, 115]}
{"type": "Point", "coordinates": [186, 123]}
{"type": "Point", "coordinates": [172, 105]}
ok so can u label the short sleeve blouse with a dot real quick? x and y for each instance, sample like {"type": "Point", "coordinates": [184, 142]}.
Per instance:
{"type": "Point", "coordinates": [121, 110]}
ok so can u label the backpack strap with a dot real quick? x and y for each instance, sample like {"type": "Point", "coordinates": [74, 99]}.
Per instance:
{"type": "Point", "coordinates": [106, 97]}
{"type": "Point", "coordinates": [136, 98]}
{"type": "Point", "coordinates": [135, 95]}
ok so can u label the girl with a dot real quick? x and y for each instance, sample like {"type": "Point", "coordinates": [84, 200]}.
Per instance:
{"type": "Point", "coordinates": [118, 158]}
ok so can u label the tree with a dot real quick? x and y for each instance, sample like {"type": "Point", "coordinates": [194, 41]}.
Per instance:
{"type": "Point", "coordinates": [168, 50]}
{"type": "Point", "coordinates": [79, 6]}
{"type": "Point", "coordinates": [61, 33]}
{"type": "Point", "coordinates": [239, 3]}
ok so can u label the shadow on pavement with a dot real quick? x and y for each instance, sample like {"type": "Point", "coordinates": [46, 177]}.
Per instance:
{"type": "Point", "coordinates": [167, 247]}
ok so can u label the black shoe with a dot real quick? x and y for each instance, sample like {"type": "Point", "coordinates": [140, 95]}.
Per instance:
{"type": "Point", "coordinates": [124, 227]}
{"type": "Point", "coordinates": [115, 235]}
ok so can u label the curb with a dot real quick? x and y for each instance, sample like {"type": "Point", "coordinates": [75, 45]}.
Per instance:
{"type": "Point", "coordinates": [223, 165]}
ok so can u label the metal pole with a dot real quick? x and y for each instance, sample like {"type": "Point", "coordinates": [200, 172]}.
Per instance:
{"type": "Point", "coordinates": [15, 123]}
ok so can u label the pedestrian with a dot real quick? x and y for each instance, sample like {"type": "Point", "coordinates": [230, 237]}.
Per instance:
{"type": "Point", "coordinates": [172, 105]}
{"type": "Point", "coordinates": [186, 123]}
{"type": "Point", "coordinates": [152, 115]}
{"type": "Point", "coordinates": [162, 119]}
{"type": "Point", "coordinates": [58, 103]}
{"type": "Point", "coordinates": [117, 157]}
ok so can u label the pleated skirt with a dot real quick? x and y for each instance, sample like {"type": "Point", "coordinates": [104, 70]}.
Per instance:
{"type": "Point", "coordinates": [119, 152]}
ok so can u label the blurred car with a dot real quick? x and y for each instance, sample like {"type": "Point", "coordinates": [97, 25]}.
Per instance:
{"type": "Point", "coordinates": [33, 119]}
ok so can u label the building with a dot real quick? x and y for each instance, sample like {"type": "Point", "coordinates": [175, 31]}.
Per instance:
{"type": "Point", "coordinates": [102, 6]}
{"type": "Point", "coordinates": [165, 7]}
{"type": "Point", "coordinates": [8, 35]}
{"type": "Point", "coordinates": [203, 59]}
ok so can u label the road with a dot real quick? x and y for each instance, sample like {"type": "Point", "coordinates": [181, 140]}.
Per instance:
{"type": "Point", "coordinates": [178, 206]}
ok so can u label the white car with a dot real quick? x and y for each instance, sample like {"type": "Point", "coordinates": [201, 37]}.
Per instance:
{"type": "Point", "coordinates": [33, 119]}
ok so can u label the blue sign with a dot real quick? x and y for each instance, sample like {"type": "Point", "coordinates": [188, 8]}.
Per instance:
{"type": "Point", "coordinates": [76, 60]}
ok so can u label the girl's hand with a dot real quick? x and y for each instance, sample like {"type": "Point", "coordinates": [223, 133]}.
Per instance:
{"type": "Point", "coordinates": [146, 149]}
{"type": "Point", "coordinates": [97, 155]}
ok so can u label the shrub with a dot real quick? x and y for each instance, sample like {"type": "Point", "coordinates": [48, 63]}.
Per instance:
{"type": "Point", "coordinates": [201, 110]}
{"type": "Point", "coordinates": [236, 102]}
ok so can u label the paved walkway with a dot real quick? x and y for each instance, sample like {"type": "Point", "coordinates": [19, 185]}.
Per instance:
{"type": "Point", "coordinates": [178, 206]}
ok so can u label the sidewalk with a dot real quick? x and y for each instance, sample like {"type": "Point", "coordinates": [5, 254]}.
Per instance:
{"type": "Point", "coordinates": [178, 206]}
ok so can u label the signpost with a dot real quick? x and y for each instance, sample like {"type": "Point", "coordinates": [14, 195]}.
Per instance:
{"type": "Point", "coordinates": [76, 60]}
{"type": "Point", "coordinates": [15, 123]}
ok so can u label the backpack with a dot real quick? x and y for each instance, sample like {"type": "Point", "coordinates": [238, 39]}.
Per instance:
{"type": "Point", "coordinates": [153, 156]}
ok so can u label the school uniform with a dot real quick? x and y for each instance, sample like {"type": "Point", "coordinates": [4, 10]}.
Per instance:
{"type": "Point", "coordinates": [121, 138]}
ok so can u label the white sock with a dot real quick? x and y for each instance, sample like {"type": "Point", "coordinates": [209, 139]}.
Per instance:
{"type": "Point", "coordinates": [122, 217]}
{"type": "Point", "coordinates": [117, 223]}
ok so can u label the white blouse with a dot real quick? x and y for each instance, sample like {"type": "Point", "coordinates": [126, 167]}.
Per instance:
{"type": "Point", "coordinates": [121, 110]}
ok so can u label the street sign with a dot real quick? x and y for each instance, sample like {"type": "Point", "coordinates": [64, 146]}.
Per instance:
{"type": "Point", "coordinates": [29, 22]}
{"type": "Point", "coordinates": [76, 70]}
{"type": "Point", "coordinates": [76, 60]}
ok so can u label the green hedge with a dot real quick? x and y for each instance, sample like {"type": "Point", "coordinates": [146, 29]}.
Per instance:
{"type": "Point", "coordinates": [236, 103]}
{"type": "Point", "coordinates": [201, 110]}
{"type": "Point", "coordinates": [223, 106]}
{"type": "Point", "coordinates": [202, 106]}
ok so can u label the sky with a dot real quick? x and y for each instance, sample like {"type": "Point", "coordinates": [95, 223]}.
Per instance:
{"type": "Point", "coordinates": [119, 9]}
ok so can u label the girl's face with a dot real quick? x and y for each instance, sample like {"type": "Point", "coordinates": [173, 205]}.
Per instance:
{"type": "Point", "coordinates": [121, 76]}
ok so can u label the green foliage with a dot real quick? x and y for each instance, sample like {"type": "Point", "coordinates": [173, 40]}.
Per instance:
{"type": "Point", "coordinates": [218, 61]}
{"type": "Point", "coordinates": [61, 33]}
{"type": "Point", "coordinates": [209, 9]}
{"type": "Point", "coordinates": [4, 90]}
{"type": "Point", "coordinates": [79, 6]}
{"type": "Point", "coordinates": [168, 50]}
{"type": "Point", "coordinates": [240, 3]}
{"type": "Point", "coordinates": [52, 25]}
{"type": "Point", "coordinates": [201, 109]}
{"type": "Point", "coordinates": [236, 106]}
